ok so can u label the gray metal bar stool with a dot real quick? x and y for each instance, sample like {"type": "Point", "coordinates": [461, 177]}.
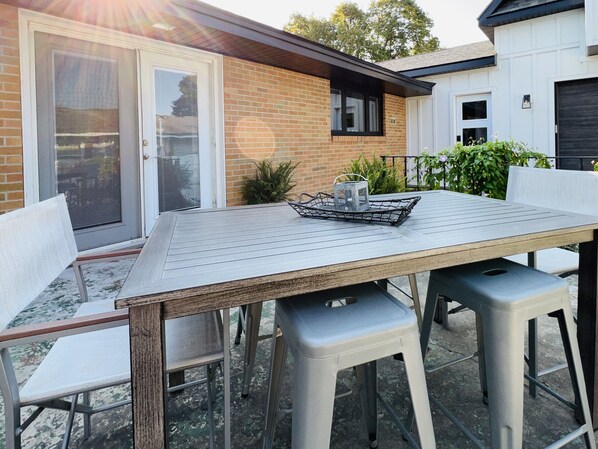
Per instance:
{"type": "Point", "coordinates": [505, 296]}
{"type": "Point", "coordinates": [250, 315]}
{"type": "Point", "coordinates": [336, 329]}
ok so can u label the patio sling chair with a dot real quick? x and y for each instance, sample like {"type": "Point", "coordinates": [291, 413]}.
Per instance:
{"type": "Point", "coordinates": [91, 351]}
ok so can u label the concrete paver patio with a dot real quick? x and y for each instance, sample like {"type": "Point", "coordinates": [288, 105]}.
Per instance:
{"type": "Point", "coordinates": [457, 387]}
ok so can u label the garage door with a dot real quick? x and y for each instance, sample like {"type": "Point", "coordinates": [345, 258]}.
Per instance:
{"type": "Point", "coordinates": [577, 123]}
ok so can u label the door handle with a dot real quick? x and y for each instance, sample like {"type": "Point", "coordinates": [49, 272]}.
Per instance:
{"type": "Point", "coordinates": [146, 156]}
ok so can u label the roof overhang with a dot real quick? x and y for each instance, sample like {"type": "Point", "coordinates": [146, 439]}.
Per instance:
{"type": "Point", "coordinates": [491, 18]}
{"type": "Point", "coordinates": [198, 25]}
{"type": "Point", "coordinates": [470, 64]}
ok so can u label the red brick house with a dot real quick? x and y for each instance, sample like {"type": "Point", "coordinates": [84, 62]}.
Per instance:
{"type": "Point", "coordinates": [132, 108]}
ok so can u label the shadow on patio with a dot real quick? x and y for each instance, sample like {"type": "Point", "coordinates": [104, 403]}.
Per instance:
{"type": "Point", "coordinates": [457, 386]}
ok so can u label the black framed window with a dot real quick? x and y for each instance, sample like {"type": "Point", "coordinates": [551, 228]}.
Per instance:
{"type": "Point", "coordinates": [355, 112]}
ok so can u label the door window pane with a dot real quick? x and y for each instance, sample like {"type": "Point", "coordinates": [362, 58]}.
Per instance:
{"type": "Point", "coordinates": [472, 136]}
{"type": "Point", "coordinates": [355, 116]}
{"type": "Point", "coordinates": [87, 137]}
{"type": "Point", "coordinates": [474, 110]}
{"type": "Point", "coordinates": [177, 137]}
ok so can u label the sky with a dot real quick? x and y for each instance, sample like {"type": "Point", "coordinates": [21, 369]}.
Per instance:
{"type": "Point", "coordinates": [455, 21]}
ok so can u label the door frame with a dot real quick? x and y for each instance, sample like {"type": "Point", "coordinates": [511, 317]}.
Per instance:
{"type": "Point", "coordinates": [30, 22]}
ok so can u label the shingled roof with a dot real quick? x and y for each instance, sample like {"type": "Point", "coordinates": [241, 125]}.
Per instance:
{"type": "Point", "coordinates": [463, 57]}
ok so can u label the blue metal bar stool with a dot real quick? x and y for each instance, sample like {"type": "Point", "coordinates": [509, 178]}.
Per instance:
{"type": "Point", "coordinates": [505, 296]}
{"type": "Point", "coordinates": [336, 329]}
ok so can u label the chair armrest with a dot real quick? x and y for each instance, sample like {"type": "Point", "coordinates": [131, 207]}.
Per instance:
{"type": "Point", "coordinates": [96, 258]}
{"type": "Point", "coordinates": [103, 257]}
{"type": "Point", "coordinates": [51, 330]}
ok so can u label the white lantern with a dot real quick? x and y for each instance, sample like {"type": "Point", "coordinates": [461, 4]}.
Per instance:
{"type": "Point", "coordinates": [351, 196]}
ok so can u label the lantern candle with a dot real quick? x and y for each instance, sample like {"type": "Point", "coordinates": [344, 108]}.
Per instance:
{"type": "Point", "coordinates": [351, 195]}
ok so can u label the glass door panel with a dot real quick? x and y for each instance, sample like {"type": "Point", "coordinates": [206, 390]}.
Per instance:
{"type": "Point", "coordinates": [177, 135]}
{"type": "Point", "coordinates": [88, 136]}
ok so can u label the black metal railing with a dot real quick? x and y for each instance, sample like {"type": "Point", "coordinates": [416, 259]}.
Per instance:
{"type": "Point", "coordinates": [415, 173]}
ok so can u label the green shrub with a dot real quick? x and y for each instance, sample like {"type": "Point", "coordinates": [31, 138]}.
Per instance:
{"type": "Point", "coordinates": [478, 169]}
{"type": "Point", "coordinates": [595, 165]}
{"type": "Point", "coordinates": [270, 184]}
{"type": "Point", "coordinates": [381, 178]}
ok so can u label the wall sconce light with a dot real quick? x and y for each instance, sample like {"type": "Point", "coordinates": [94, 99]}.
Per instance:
{"type": "Point", "coordinates": [526, 102]}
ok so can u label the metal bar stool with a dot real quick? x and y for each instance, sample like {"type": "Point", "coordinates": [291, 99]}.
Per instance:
{"type": "Point", "coordinates": [336, 329]}
{"type": "Point", "coordinates": [505, 296]}
{"type": "Point", "coordinates": [249, 324]}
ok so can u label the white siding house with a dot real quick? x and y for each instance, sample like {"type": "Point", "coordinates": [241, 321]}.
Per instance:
{"type": "Point", "coordinates": [541, 88]}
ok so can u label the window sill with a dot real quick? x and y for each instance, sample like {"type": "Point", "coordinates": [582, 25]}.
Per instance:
{"type": "Point", "coordinates": [357, 138]}
{"type": "Point", "coordinates": [348, 134]}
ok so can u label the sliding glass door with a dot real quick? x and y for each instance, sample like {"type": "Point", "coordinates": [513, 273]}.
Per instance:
{"type": "Point", "coordinates": [88, 136]}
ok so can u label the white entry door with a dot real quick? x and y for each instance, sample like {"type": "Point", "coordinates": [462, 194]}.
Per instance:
{"type": "Point", "coordinates": [177, 135]}
{"type": "Point", "coordinates": [474, 118]}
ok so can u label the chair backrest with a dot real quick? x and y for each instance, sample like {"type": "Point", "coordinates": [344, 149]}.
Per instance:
{"type": "Point", "coordinates": [36, 244]}
{"type": "Point", "coordinates": [566, 190]}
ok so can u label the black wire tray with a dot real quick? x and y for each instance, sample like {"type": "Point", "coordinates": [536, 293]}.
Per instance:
{"type": "Point", "coordinates": [321, 206]}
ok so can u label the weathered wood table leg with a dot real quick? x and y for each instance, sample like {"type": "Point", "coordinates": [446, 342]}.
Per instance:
{"type": "Point", "coordinates": [587, 314]}
{"type": "Point", "coordinates": [146, 329]}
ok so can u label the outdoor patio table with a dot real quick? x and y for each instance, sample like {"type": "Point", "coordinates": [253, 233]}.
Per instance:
{"type": "Point", "coordinates": [200, 260]}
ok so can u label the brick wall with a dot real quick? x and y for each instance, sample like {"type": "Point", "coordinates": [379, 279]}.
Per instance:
{"type": "Point", "coordinates": [269, 113]}
{"type": "Point", "coordinates": [11, 149]}
{"type": "Point", "coordinates": [282, 115]}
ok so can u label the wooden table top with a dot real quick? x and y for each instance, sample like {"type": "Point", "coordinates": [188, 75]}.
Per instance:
{"type": "Point", "coordinates": [210, 259]}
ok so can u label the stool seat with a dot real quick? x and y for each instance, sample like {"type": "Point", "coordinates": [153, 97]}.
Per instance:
{"type": "Point", "coordinates": [330, 323]}
{"type": "Point", "coordinates": [336, 329]}
{"type": "Point", "coordinates": [500, 284]}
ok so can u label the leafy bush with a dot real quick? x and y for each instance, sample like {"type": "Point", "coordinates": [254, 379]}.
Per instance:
{"type": "Point", "coordinates": [173, 180]}
{"type": "Point", "coordinates": [595, 165]}
{"type": "Point", "coordinates": [270, 184]}
{"type": "Point", "coordinates": [381, 178]}
{"type": "Point", "coordinates": [478, 169]}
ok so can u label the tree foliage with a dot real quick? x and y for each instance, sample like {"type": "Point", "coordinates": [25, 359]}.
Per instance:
{"type": "Point", "coordinates": [389, 29]}
{"type": "Point", "coordinates": [186, 104]}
